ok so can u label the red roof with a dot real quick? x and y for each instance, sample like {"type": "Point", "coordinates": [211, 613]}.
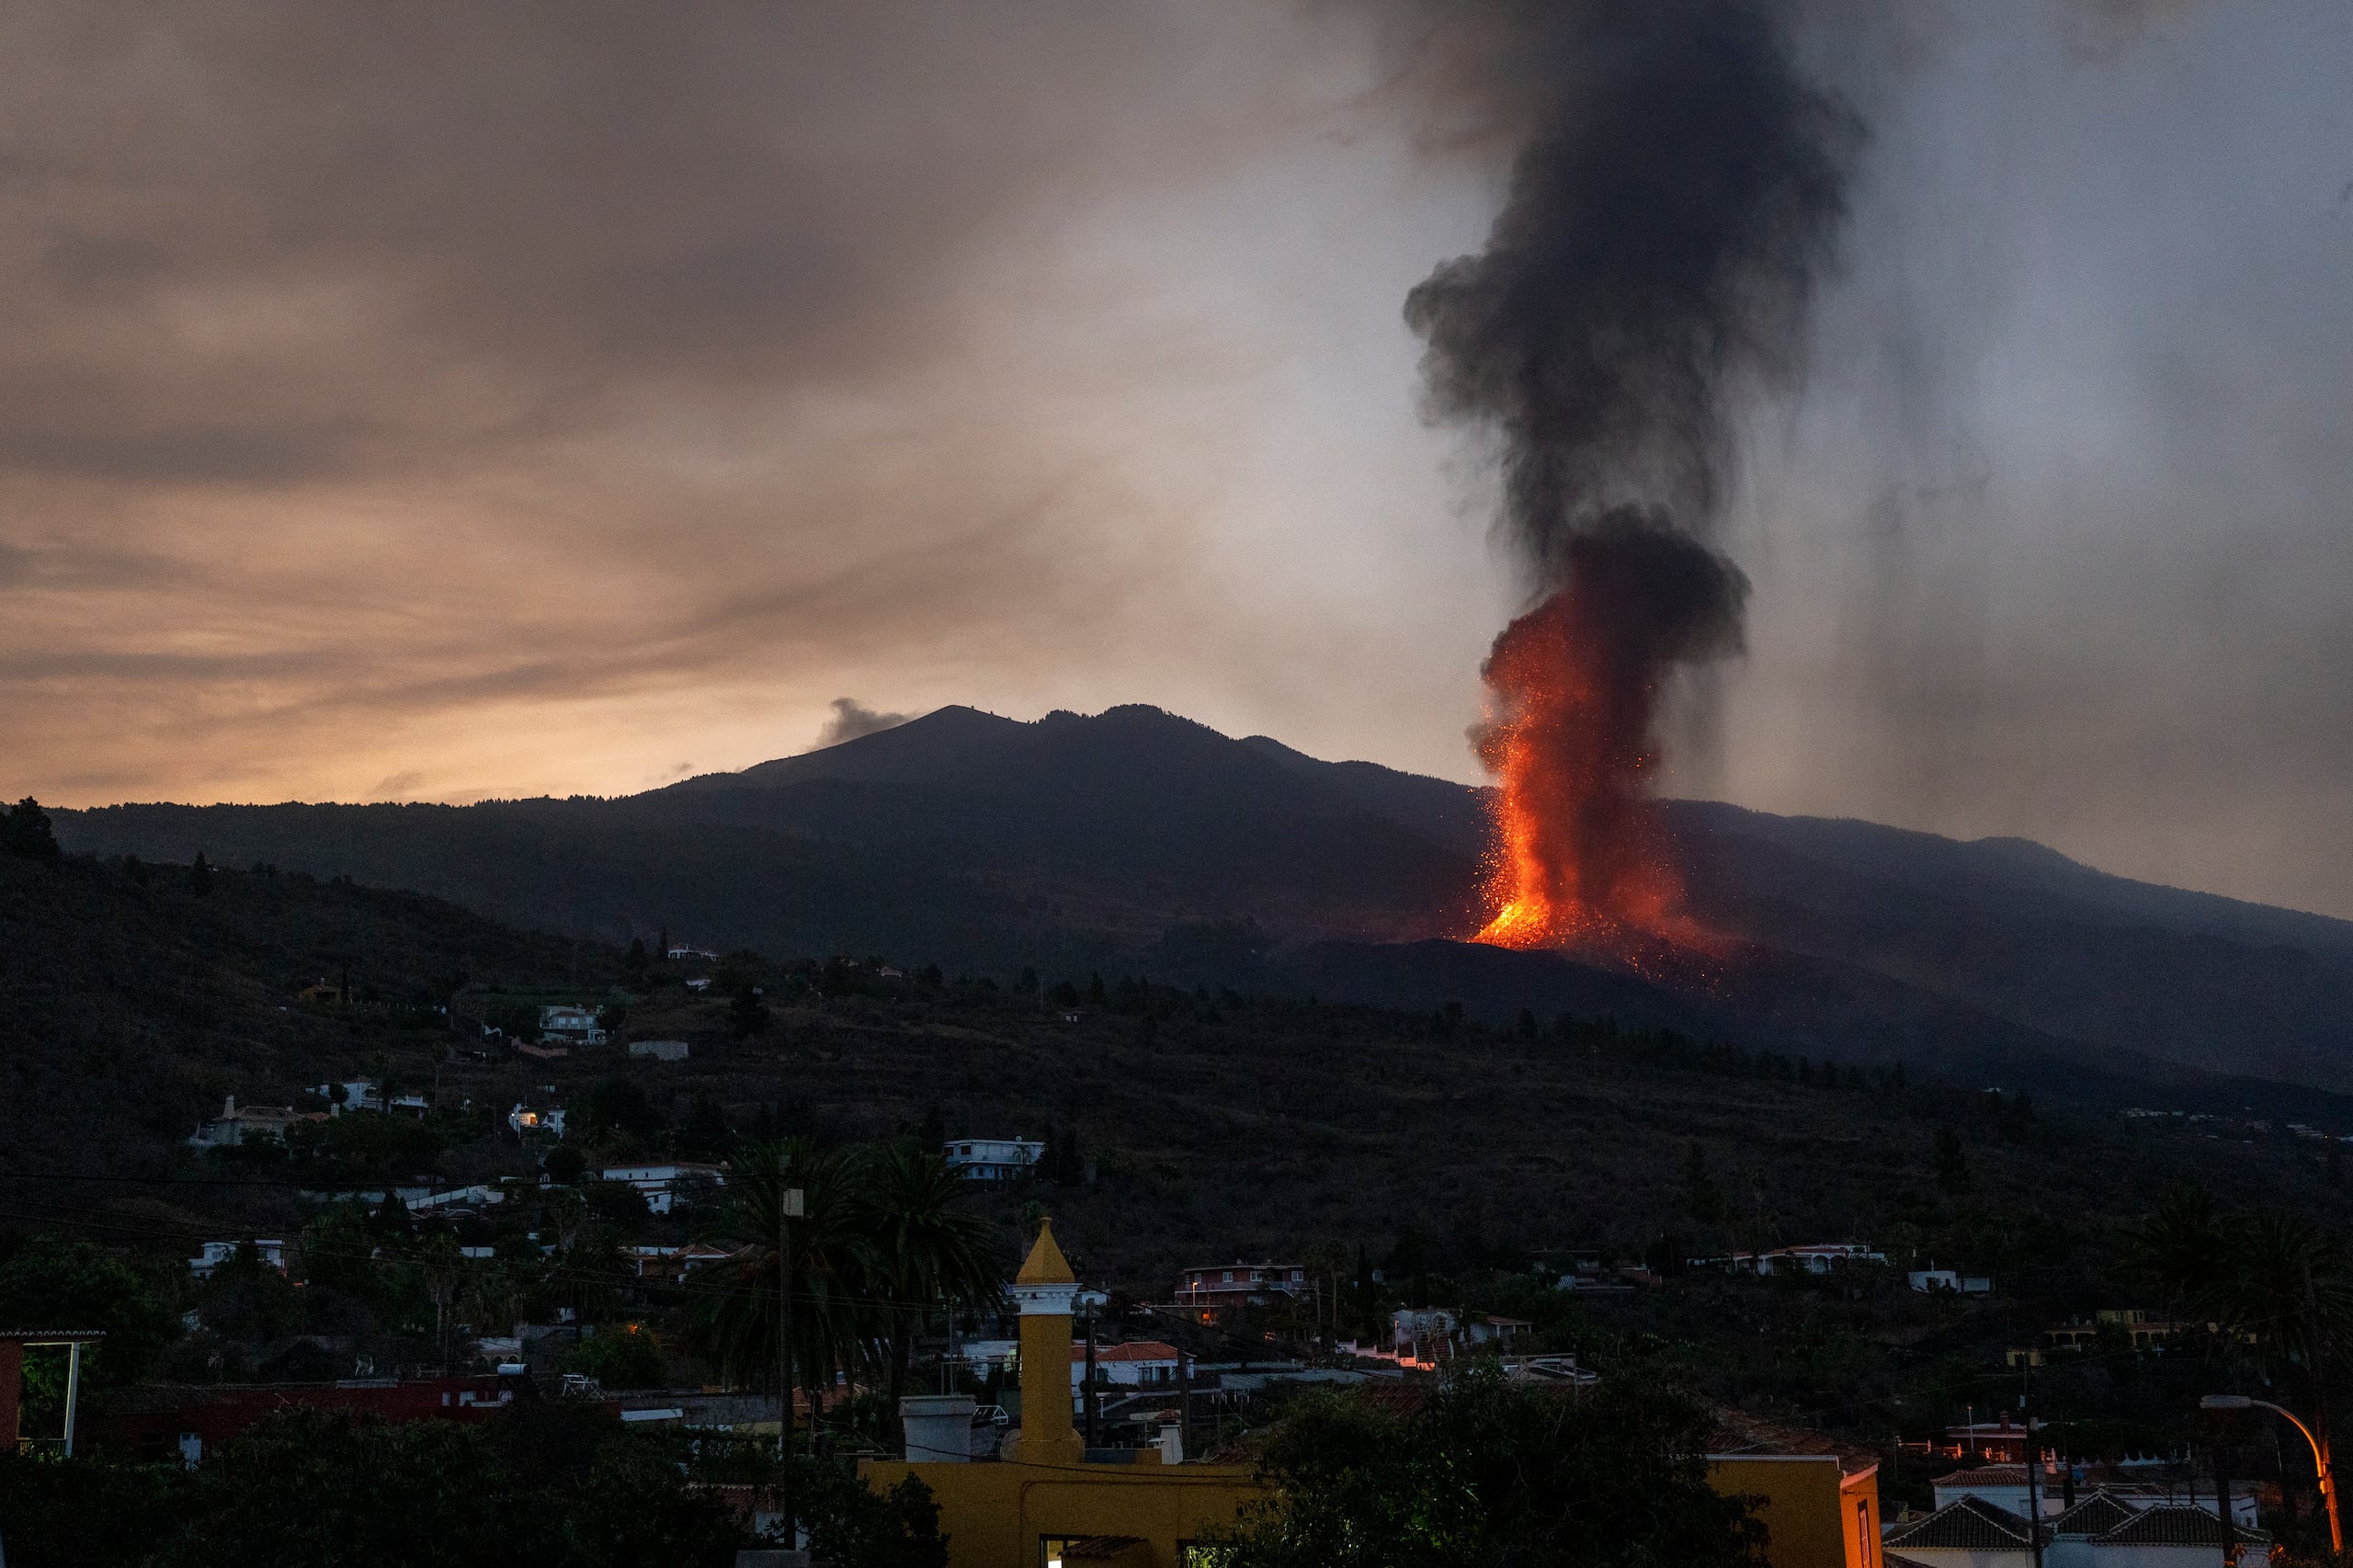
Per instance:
{"type": "Point", "coordinates": [1140, 1350]}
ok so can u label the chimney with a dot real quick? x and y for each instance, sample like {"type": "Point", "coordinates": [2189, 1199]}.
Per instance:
{"type": "Point", "coordinates": [229, 1107]}
{"type": "Point", "coordinates": [939, 1428]}
{"type": "Point", "coordinates": [1172, 1442]}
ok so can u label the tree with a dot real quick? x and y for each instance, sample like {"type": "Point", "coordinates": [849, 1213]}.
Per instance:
{"type": "Point", "coordinates": [1952, 1162]}
{"type": "Point", "coordinates": [2277, 1277]}
{"type": "Point", "coordinates": [26, 831]}
{"type": "Point", "coordinates": [851, 1526]}
{"type": "Point", "coordinates": [200, 875]}
{"type": "Point", "coordinates": [622, 1356]}
{"type": "Point", "coordinates": [321, 1489]}
{"type": "Point", "coordinates": [738, 1318]}
{"type": "Point", "coordinates": [1702, 1199]}
{"type": "Point", "coordinates": [925, 1251]}
{"type": "Point", "coordinates": [52, 1282]}
{"type": "Point", "coordinates": [619, 1104]}
{"type": "Point", "coordinates": [634, 964]}
{"type": "Point", "coordinates": [1487, 1472]}
{"type": "Point", "coordinates": [746, 1014]}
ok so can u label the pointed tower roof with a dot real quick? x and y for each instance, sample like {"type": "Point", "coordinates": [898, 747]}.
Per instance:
{"type": "Point", "coordinates": [1046, 1265]}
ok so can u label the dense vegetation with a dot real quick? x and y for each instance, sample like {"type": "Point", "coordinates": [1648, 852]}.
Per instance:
{"type": "Point", "coordinates": [1482, 1471]}
{"type": "Point", "coordinates": [553, 1485]}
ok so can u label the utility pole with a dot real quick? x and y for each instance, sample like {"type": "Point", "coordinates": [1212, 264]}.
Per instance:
{"type": "Point", "coordinates": [788, 1209]}
{"type": "Point", "coordinates": [2033, 1497]}
{"type": "Point", "coordinates": [2222, 1502]}
{"type": "Point", "coordinates": [1092, 1403]}
{"type": "Point", "coordinates": [1184, 1420]}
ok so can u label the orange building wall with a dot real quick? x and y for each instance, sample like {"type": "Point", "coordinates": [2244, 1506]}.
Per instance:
{"type": "Point", "coordinates": [1817, 1515]}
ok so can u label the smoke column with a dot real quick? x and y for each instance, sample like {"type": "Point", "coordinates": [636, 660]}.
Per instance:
{"type": "Point", "coordinates": [1668, 214]}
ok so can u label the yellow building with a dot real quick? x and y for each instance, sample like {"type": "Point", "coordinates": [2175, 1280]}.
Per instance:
{"type": "Point", "coordinates": [1819, 1502]}
{"type": "Point", "coordinates": [1048, 1501]}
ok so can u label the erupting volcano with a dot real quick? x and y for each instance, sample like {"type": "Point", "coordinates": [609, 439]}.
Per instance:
{"type": "Point", "coordinates": [1669, 210]}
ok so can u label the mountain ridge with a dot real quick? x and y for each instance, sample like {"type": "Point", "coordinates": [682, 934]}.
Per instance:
{"type": "Point", "coordinates": [1100, 842]}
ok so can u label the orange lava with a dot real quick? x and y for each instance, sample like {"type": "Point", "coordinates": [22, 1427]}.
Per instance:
{"type": "Point", "coordinates": [1579, 860]}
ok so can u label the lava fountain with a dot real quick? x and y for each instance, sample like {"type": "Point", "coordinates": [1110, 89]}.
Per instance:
{"type": "Point", "coordinates": [1574, 685]}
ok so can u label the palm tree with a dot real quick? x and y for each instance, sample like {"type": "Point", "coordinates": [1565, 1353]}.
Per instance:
{"type": "Point", "coordinates": [833, 1318]}
{"type": "Point", "coordinates": [2279, 1279]}
{"type": "Point", "coordinates": [923, 1251]}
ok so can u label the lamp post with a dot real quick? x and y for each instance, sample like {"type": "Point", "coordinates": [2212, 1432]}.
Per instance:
{"type": "Point", "coordinates": [788, 1209]}
{"type": "Point", "coordinates": [2320, 1455]}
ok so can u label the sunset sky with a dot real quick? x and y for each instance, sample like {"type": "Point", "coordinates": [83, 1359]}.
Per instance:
{"type": "Point", "coordinates": [442, 401]}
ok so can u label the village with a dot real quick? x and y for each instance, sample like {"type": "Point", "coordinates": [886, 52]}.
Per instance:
{"type": "Point", "coordinates": [596, 1282]}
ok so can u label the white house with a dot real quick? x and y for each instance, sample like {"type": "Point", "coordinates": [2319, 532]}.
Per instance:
{"type": "Point", "coordinates": [1967, 1533]}
{"type": "Point", "coordinates": [215, 1253]}
{"type": "Point", "coordinates": [433, 1200]}
{"type": "Point", "coordinates": [659, 1050]}
{"type": "Point", "coordinates": [1425, 1331]}
{"type": "Point", "coordinates": [1819, 1257]}
{"type": "Point", "coordinates": [578, 1024]}
{"type": "Point", "coordinates": [524, 1119]}
{"type": "Point", "coordinates": [358, 1094]}
{"type": "Point", "coordinates": [366, 1094]}
{"type": "Point", "coordinates": [1138, 1365]}
{"type": "Point", "coordinates": [233, 1125]}
{"type": "Point", "coordinates": [993, 1159]}
{"type": "Point", "coordinates": [1927, 1280]}
{"type": "Point", "coordinates": [667, 1182]}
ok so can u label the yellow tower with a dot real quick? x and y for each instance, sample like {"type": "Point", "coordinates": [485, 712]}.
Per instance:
{"type": "Point", "coordinates": [1043, 1290]}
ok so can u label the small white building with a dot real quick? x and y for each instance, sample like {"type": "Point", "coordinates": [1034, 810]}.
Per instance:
{"type": "Point", "coordinates": [993, 1159]}
{"type": "Point", "coordinates": [1141, 1364]}
{"type": "Point", "coordinates": [215, 1253]}
{"type": "Point", "coordinates": [1499, 1331]}
{"type": "Point", "coordinates": [358, 1094]}
{"type": "Point", "coordinates": [658, 1050]}
{"type": "Point", "coordinates": [668, 1182]}
{"type": "Point", "coordinates": [1929, 1281]}
{"type": "Point", "coordinates": [1425, 1331]}
{"type": "Point", "coordinates": [578, 1024]}
{"type": "Point", "coordinates": [525, 1119]}
{"type": "Point", "coordinates": [366, 1094]}
{"type": "Point", "coordinates": [1819, 1257]}
{"type": "Point", "coordinates": [235, 1124]}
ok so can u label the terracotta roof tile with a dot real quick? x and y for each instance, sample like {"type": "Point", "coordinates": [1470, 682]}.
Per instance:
{"type": "Point", "coordinates": [1966, 1524]}
{"type": "Point", "coordinates": [2092, 1515]}
{"type": "Point", "coordinates": [2174, 1524]}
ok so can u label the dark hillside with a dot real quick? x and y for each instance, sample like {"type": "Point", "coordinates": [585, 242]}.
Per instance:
{"type": "Point", "coordinates": [981, 842]}
{"type": "Point", "coordinates": [129, 1005]}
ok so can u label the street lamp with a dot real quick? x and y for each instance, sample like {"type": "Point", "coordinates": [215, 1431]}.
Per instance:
{"type": "Point", "coordinates": [2320, 1455]}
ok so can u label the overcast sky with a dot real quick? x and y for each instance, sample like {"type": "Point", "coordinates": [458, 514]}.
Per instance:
{"type": "Point", "coordinates": [434, 401]}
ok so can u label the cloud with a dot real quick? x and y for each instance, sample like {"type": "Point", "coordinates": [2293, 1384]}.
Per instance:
{"type": "Point", "coordinates": [852, 719]}
{"type": "Point", "coordinates": [531, 395]}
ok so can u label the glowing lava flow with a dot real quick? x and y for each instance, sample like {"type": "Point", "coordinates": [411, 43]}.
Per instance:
{"type": "Point", "coordinates": [1579, 860]}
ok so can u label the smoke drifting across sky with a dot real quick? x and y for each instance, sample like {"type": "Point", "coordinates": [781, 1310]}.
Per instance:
{"type": "Point", "coordinates": [469, 399]}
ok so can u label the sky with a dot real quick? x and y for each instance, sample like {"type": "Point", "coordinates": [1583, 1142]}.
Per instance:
{"type": "Point", "coordinates": [449, 401]}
